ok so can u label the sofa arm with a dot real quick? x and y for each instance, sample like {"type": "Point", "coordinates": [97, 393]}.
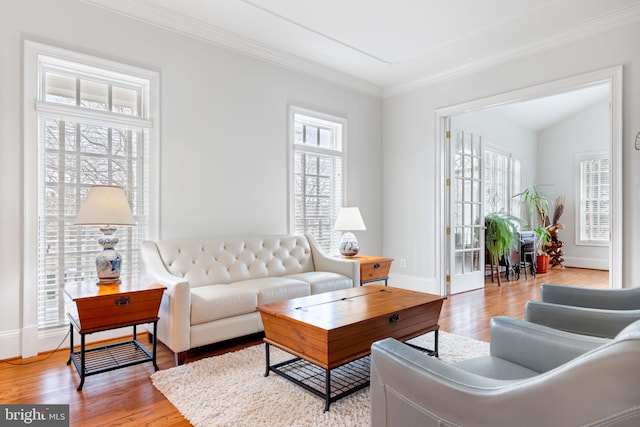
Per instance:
{"type": "Point", "coordinates": [175, 309]}
{"type": "Point", "coordinates": [580, 320]}
{"type": "Point", "coordinates": [535, 346]}
{"type": "Point", "coordinates": [612, 299]}
{"type": "Point", "coordinates": [323, 262]}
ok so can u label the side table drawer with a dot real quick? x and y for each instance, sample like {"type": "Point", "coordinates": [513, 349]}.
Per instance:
{"type": "Point", "coordinates": [113, 310]}
{"type": "Point", "coordinates": [374, 270]}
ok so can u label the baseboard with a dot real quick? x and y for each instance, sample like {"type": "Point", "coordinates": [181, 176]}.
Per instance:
{"type": "Point", "coordinates": [413, 283]}
{"type": "Point", "coordinates": [9, 344]}
{"type": "Point", "coordinates": [592, 263]}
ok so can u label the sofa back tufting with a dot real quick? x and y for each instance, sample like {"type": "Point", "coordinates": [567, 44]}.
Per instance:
{"type": "Point", "coordinates": [205, 261]}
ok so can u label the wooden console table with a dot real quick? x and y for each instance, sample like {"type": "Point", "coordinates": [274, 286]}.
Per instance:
{"type": "Point", "coordinates": [110, 306]}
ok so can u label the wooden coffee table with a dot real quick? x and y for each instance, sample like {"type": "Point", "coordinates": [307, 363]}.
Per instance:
{"type": "Point", "coordinates": [335, 330]}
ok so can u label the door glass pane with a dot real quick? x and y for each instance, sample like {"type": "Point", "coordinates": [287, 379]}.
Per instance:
{"type": "Point", "coordinates": [476, 168]}
{"type": "Point", "coordinates": [458, 237]}
{"type": "Point", "coordinates": [467, 214]}
{"type": "Point", "coordinates": [458, 263]}
{"type": "Point", "coordinates": [475, 260]}
{"type": "Point", "coordinates": [475, 192]}
{"type": "Point", "coordinates": [457, 170]}
{"type": "Point", "coordinates": [467, 237]}
{"type": "Point", "coordinates": [457, 216]}
{"type": "Point", "coordinates": [476, 147]}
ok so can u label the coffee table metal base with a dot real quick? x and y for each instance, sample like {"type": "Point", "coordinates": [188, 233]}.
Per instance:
{"type": "Point", "coordinates": [346, 379]}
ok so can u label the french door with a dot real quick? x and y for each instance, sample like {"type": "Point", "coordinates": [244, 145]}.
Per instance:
{"type": "Point", "coordinates": [465, 219]}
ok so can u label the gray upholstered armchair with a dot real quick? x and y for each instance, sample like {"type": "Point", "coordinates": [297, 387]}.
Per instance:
{"type": "Point", "coordinates": [597, 312]}
{"type": "Point", "coordinates": [534, 376]}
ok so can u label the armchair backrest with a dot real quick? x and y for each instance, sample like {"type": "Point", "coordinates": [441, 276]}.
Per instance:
{"type": "Point", "coordinates": [606, 299]}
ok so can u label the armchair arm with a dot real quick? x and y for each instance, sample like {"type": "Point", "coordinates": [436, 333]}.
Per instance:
{"type": "Point", "coordinates": [537, 347]}
{"type": "Point", "coordinates": [580, 320]}
{"type": "Point", "coordinates": [612, 299]}
{"type": "Point", "coordinates": [175, 309]}
{"type": "Point", "coordinates": [322, 262]}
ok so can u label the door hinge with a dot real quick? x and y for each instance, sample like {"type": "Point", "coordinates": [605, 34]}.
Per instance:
{"type": "Point", "coordinates": [447, 278]}
{"type": "Point", "coordinates": [447, 182]}
{"type": "Point", "coordinates": [447, 134]}
{"type": "Point", "coordinates": [448, 231]}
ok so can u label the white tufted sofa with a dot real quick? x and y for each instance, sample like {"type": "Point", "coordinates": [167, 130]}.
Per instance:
{"type": "Point", "coordinates": [215, 284]}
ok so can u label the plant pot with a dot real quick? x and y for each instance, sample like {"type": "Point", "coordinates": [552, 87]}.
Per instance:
{"type": "Point", "coordinates": [542, 263]}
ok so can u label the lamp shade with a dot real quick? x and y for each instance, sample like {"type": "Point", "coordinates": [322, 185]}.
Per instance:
{"type": "Point", "coordinates": [105, 205]}
{"type": "Point", "coordinates": [349, 219]}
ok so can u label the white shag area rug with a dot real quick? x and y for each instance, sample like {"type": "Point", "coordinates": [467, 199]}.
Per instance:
{"type": "Point", "coordinates": [231, 390]}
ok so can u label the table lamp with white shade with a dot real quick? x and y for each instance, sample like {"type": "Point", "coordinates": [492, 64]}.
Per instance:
{"type": "Point", "coordinates": [349, 219]}
{"type": "Point", "coordinates": [106, 206]}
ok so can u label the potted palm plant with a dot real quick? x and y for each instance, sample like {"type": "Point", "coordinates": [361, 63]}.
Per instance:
{"type": "Point", "coordinates": [501, 235]}
{"type": "Point", "coordinates": [538, 205]}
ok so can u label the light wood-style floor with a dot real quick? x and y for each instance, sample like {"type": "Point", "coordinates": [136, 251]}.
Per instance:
{"type": "Point", "coordinates": [126, 397]}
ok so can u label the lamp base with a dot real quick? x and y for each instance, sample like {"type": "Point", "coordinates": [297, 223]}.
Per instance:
{"type": "Point", "coordinates": [349, 245]}
{"type": "Point", "coordinates": [108, 262]}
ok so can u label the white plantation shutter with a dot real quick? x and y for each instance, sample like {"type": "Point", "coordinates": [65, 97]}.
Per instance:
{"type": "Point", "coordinates": [93, 128]}
{"type": "Point", "coordinates": [594, 213]}
{"type": "Point", "coordinates": [318, 171]}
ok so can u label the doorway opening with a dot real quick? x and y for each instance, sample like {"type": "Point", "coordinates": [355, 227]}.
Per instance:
{"type": "Point", "coordinates": [452, 120]}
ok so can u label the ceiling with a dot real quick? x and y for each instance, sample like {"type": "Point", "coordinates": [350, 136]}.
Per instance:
{"type": "Point", "coordinates": [380, 46]}
{"type": "Point", "coordinates": [539, 114]}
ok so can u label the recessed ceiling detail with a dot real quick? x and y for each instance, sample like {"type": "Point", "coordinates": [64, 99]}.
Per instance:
{"type": "Point", "coordinates": [383, 47]}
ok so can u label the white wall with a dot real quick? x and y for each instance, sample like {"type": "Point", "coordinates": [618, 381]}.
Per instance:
{"type": "Point", "coordinates": [500, 133]}
{"type": "Point", "coordinates": [410, 163]}
{"type": "Point", "coordinates": [584, 132]}
{"type": "Point", "coordinates": [223, 168]}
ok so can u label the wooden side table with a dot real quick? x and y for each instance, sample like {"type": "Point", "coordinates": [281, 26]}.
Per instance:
{"type": "Point", "coordinates": [110, 306]}
{"type": "Point", "coordinates": [373, 268]}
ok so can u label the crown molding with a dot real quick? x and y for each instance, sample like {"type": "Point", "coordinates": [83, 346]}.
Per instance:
{"type": "Point", "coordinates": [592, 27]}
{"type": "Point", "coordinates": [164, 18]}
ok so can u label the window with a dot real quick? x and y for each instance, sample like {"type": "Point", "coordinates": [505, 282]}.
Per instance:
{"type": "Point", "coordinates": [92, 121]}
{"type": "Point", "coordinates": [501, 182]}
{"type": "Point", "coordinates": [594, 219]}
{"type": "Point", "coordinates": [317, 150]}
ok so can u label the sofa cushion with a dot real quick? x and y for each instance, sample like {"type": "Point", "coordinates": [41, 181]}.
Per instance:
{"type": "Point", "coordinates": [272, 289]}
{"type": "Point", "coordinates": [323, 281]}
{"type": "Point", "coordinates": [215, 302]}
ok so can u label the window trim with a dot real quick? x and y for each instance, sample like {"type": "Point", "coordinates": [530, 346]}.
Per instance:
{"type": "Point", "coordinates": [33, 340]}
{"type": "Point", "coordinates": [595, 155]}
{"type": "Point", "coordinates": [293, 110]}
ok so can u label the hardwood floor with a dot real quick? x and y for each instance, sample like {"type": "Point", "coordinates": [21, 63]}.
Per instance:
{"type": "Point", "coordinates": [126, 397]}
{"type": "Point", "coordinates": [469, 313]}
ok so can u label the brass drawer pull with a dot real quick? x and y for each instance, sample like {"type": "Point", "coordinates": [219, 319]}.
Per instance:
{"type": "Point", "coordinates": [122, 301]}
